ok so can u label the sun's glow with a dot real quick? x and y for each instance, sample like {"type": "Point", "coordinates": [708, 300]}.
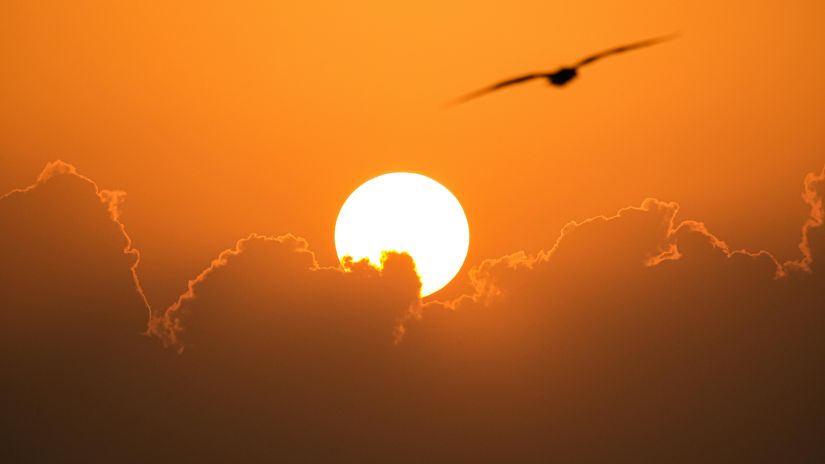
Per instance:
{"type": "Point", "coordinates": [405, 212]}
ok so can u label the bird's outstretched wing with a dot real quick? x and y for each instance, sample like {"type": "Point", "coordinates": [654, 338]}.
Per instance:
{"type": "Point", "coordinates": [496, 86]}
{"type": "Point", "coordinates": [625, 48]}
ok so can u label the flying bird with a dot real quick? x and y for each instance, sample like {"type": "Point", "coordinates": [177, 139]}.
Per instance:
{"type": "Point", "coordinates": [565, 74]}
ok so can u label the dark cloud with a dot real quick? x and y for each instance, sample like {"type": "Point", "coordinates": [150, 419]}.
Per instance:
{"type": "Point", "coordinates": [73, 314]}
{"type": "Point", "coordinates": [63, 225]}
{"type": "Point", "coordinates": [264, 283]}
{"type": "Point", "coordinates": [644, 338]}
{"type": "Point", "coordinates": [635, 338]}
{"type": "Point", "coordinates": [290, 356]}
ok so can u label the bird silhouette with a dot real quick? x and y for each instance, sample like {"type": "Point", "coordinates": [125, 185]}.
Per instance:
{"type": "Point", "coordinates": [565, 74]}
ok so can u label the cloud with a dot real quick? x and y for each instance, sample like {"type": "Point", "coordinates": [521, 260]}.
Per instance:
{"type": "Point", "coordinates": [64, 247]}
{"type": "Point", "coordinates": [72, 314]}
{"type": "Point", "coordinates": [814, 190]}
{"type": "Point", "coordinates": [377, 300]}
{"type": "Point", "coordinates": [30, 196]}
{"type": "Point", "coordinates": [636, 337]}
{"type": "Point", "coordinates": [87, 383]}
{"type": "Point", "coordinates": [290, 355]}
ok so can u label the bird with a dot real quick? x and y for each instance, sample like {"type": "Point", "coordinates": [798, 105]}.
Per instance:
{"type": "Point", "coordinates": [565, 74]}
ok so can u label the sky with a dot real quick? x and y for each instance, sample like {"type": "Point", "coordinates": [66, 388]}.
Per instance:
{"type": "Point", "coordinates": [218, 141]}
{"type": "Point", "coordinates": [225, 119]}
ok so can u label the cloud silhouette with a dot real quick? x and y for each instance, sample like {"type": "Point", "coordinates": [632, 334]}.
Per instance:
{"type": "Point", "coordinates": [72, 314]}
{"type": "Point", "coordinates": [266, 333]}
{"type": "Point", "coordinates": [643, 337]}
{"type": "Point", "coordinates": [373, 301]}
{"type": "Point", "coordinates": [23, 208]}
{"type": "Point", "coordinates": [637, 337]}
{"type": "Point", "coordinates": [811, 244]}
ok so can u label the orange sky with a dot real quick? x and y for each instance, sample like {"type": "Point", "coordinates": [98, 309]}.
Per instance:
{"type": "Point", "coordinates": [225, 119]}
{"type": "Point", "coordinates": [203, 317]}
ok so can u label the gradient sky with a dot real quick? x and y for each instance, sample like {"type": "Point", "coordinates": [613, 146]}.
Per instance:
{"type": "Point", "coordinates": [225, 119]}
{"type": "Point", "coordinates": [170, 289]}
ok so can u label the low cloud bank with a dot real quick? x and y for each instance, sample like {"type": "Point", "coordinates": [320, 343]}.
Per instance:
{"type": "Point", "coordinates": [637, 337]}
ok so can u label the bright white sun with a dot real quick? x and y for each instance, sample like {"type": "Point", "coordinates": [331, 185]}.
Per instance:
{"type": "Point", "coordinates": [405, 212]}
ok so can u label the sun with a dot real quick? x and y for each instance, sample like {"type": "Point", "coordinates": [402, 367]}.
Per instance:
{"type": "Point", "coordinates": [410, 213]}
